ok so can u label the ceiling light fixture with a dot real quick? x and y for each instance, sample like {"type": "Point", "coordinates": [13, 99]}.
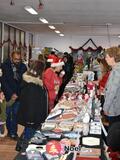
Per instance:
{"type": "Point", "coordinates": [62, 35]}
{"type": "Point", "coordinates": [118, 36]}
{"type": "Point", "coordinates": [43, 20]}
{"type": "Point", "coordinates": [57, 31]}
{"type": "Point", "coordinates": [51, 27]}
{"type": "Point", "coordinates": [30, 10]}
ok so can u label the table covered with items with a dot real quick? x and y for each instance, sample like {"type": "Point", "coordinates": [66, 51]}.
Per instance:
{"type": "Point", "coordinates": [73, 128]}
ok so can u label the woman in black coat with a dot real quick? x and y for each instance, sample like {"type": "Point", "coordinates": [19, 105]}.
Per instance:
{"type": "Point", "coordinates": [33, 100]}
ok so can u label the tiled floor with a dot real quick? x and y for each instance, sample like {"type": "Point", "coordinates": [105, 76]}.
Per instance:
{"type": "Point", "coordinates": [7, 147]}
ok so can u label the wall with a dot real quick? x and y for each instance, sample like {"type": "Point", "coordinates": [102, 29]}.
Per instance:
{"type": "Point", "coordinates": [63, 43]}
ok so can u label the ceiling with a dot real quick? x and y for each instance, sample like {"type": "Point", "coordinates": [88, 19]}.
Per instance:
{"type": "Point", "coordinates": [71, 17]}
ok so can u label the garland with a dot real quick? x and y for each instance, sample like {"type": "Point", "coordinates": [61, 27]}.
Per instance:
{"type": "Point", "coordinates": [14, 44]}
{"type": "Point", "coordinates": [99, 49]}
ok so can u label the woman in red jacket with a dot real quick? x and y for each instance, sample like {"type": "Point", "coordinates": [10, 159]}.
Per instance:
{"type": "Point", "coordinates": [51, 79]}
{"type": "Point", "coordinates": [105, 70]}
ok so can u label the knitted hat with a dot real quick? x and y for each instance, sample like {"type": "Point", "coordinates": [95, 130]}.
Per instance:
{"type": "Point", "coordinates": [113, 138]}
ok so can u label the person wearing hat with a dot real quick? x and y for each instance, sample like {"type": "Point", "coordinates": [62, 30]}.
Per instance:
{"type": "Point", "coordinates": [51, 79]}
{"type": "Point", "coordinates": [33, 100]}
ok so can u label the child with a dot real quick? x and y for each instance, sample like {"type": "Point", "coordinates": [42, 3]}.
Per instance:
{"type": "Point", "coordinates": [3, 105]}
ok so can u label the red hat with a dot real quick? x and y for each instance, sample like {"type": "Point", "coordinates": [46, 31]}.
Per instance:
{"type": "Point", "coordinates": [51, 57]}
{"type": "Point", "coordinates": [55, 61]}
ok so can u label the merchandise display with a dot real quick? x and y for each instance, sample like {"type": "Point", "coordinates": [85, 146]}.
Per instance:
{"type": "Point", "coordinates": [72, 126]}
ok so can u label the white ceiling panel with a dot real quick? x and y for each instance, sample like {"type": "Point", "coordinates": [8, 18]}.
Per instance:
{"type": "Point", "coordinates": [81, 17]}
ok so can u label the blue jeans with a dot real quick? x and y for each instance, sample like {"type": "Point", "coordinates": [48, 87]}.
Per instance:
{"type": "Point", "coordinates": [28, 133]}
{"type": "Point", "coordinates": [11, 122]}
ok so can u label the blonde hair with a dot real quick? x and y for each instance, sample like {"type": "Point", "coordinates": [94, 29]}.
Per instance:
{"type": "Point", "coordinates": [114, 52]}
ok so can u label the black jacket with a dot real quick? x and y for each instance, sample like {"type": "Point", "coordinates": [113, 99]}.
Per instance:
{"type": "Point", "coordinates": [33, 102]}
{"type": "Point", "coordinates": [8, 83]}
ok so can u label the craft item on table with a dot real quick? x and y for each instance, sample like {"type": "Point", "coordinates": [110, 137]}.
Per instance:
{"type": "Point", "coordinates": [65, 126]}
{"type": "Point", "coordinates": [65, 104]}
{"type": "Point", "coordinates": [86, 97]}
{"type": "Point", "coordinates": [40, 148]}
{"type": "Point", "coordinates": [38, 138]}
{"type": "Point", "coordinates": [72, 88]}
{"type": "Point", "coordinates": [86, 118]}
{"type": "Point", "coordinates": [71, 134]}
{"type": "Point", "coordinates": [89, 74]}
{"type": "Point", "coordinates": [90, 86]}
{"type": "Point", "coordinates": [55, 113]}
{"type": "Point", "coordinates": [90, 152]}
{"type": "Point", "coordinates": [33, 153]}
{"type": "Point", "coordinates": [85, 129]}
{"type": "Point", "coordinates": [48, 126]}
{"type": "Point", "coordinates": [81, 112]}
{"type": "Point", "coordinates": [52, 135]}
{"type": "Point", "coordinates": [66, 117]}
{"type": "Point", "coordinates": [78, 127]}
{"type": "Point", "coordinates": [79, 96]}
{"type": "Point", "coordinates": [90, 141]}
{"type": "Point", "coordinates": [95, 128]}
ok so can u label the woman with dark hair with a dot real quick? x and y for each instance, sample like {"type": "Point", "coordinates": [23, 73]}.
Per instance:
{"type": "Point", "coordinates": [33, 100]}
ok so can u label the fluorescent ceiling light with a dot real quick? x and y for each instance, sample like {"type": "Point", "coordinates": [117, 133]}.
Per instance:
{"type": "Point", "coordinates": [62, 35]}
{"type": "Point", "coordinates": [57, 31]}
{"type": "Point", "coordinates": [43, 20]}
{"type": "Point", "coordinates": [118, 36]}
{"type": "Point", "coordinates": [51, 27]}
{"type": "Point", "coordinates": [30, 10]}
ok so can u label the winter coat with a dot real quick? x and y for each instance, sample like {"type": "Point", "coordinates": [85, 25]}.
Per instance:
{"type": "Point", "coordinates": [112, 92]}
{"type": "Point", "coordinates": [8, 84]}
{"type": "Point", "coordinates": [52, 82]}
{"type": "Point", "coordinates": [33, 102]}
{"type": "Point", "coordinates": [3, 106]}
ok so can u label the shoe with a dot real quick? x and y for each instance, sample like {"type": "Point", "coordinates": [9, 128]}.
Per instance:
{"type": "Point", "coordinates": [2, 135]}
{"type": "Point", "coordinates": [13, 137]}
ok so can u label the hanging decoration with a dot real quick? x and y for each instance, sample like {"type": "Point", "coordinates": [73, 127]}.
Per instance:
{"type": "Point", "coordinates": [13, 44]}
{"type": "Point", "coordinates": [12, 3]}
{"type": "Point", "coordinates": [82, 57]}
{"type": "Point", "coordinates": [40, 4]}
{"type": "Point", "coordinates": [97, 48]}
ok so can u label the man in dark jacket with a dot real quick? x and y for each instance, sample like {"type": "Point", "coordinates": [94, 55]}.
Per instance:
{"type": "Point", "coordinates": [12, 69]}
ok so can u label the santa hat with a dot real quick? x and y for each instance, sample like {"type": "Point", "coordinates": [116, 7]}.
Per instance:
{"type": "Point", "coordinates": [55, 61]}
{"type": "Point", "coordinates": [51, 57]}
